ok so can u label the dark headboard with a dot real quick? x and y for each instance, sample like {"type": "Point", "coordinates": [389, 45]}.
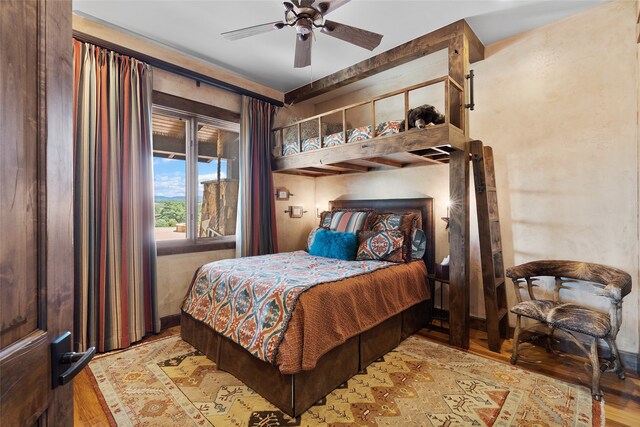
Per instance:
{"type": "Point", "coordinates": [424, 205]}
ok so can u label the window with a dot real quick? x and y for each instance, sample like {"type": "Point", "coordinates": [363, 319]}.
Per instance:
{"type": "Point", "coordinates": [195, 168]}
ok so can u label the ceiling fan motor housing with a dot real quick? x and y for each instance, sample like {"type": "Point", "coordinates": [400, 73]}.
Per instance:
{"type": "Point", "coordinates": [305, 16]}
{"type": "Point", "coordinates": [304, 27]}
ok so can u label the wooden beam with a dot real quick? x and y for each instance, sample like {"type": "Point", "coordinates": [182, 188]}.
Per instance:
{"type": "Point", "coordinates": [476, 48]}
{"type": "Point", "coordinates": [386, 162]}
{"type": "Point", "coordinates": [425, 159]}
{"type": "Point", "coordinates": [344, 166]}
{"type": "Point", "coordinates": [413, 140]}
{"type": "Point", "coordinates": [459, 285]}
{"type": "Point", "coordinates": [414, 49]}
{"type": "Point", "coordinates": [321, 171]}
{"type": "Point", "coordinates": [297, 172]}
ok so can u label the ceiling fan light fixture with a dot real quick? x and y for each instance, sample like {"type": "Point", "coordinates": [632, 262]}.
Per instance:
{"type": "Point", "coordinates": [322, 7]}
{"type": "Point", "coordinates": [303, 27]}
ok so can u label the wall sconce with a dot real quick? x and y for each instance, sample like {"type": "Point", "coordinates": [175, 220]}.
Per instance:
{"type": "Point", "coordinates": [295, 211]}
{"type": "Point", "coordinates": [446, 218]}
{"type": "Point", "coordinates": [283, 194]}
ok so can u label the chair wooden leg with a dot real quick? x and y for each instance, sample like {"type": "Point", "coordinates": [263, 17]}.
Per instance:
{"type": "Point", "coordinates": [618, 368]}
{"type": "Point", "coordinates": [595, 370]}
{"type": "Point", "coordinates": [516, 341]}
{"type": "Point", "coordinates": [549, 340]}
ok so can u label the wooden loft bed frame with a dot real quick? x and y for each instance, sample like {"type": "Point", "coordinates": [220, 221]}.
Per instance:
{"type": "Point", "coordinates": [417, 146]}
{"type": "Point", "coordinates": [445, 143]}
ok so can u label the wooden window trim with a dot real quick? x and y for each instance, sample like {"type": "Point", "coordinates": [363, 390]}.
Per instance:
{"type": "Point", "coordinates": [174, 247]}
{"type": "Point", "coordinates": [199, 111]}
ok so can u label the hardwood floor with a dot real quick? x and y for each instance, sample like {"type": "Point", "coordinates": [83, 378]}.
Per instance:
{"type": "Point", "coordinates": [622, 398]}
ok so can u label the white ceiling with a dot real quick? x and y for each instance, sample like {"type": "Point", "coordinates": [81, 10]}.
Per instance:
{"type": "Point", "coordinates": [194, 27]}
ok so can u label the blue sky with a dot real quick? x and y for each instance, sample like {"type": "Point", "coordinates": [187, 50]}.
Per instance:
{"type": "Point", "coordinates": [169, 176]}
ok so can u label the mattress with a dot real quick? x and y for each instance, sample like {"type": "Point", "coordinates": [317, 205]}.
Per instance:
{"type": "Point", "coordinates": [291, 146]}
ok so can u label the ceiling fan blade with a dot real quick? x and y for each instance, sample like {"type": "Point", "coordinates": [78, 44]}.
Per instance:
{"type": "Point", "coordinates": [353, 35]}
{"type": "Point", "coordinates": [303, 51]}
{"type": "Point", "coordinates": [305, 3]}
{"type": "Point", "coordinates": [327, 6]}
{"type": "Point", "coordinates": [250, 31]}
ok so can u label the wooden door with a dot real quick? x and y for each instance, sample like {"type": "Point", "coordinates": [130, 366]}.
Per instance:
{"type": "Point", "coordinates": [36, 219]}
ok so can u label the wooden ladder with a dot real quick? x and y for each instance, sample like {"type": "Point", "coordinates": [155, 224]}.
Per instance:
{"type": "Point", "coordinates": [495, 297]}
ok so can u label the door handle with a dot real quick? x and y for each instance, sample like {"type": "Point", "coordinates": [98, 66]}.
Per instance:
{"type": "Point", "coordinates": [62, 357]}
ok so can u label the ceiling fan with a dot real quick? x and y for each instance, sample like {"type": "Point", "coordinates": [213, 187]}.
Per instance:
{"type": "Point", "coordinates": [304, 16]}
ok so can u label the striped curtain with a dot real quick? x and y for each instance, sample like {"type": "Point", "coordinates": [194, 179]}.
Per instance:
{"type": "Point", "coordinates": [256, 227]}
{"type": "Point", "coordinates": [115, 253]}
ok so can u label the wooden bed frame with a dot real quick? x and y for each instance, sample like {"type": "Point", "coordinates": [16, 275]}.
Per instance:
{"type": "Point", "coordinates": [294, 394]}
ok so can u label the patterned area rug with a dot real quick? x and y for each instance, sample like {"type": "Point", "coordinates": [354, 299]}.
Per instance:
{"type": "Point", "coordinates": [169, 383]}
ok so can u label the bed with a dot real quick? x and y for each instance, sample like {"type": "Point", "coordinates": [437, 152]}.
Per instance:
{"type": "Point", "coordinates": [291, 145]}
{"type": "Point", "coordinates": [306, 370]}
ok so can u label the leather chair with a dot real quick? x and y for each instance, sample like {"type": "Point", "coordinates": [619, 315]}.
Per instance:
{"type": "Point", "coordinates": [555, 314]}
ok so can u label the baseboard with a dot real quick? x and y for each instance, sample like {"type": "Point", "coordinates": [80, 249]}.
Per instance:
{"type": "Point", "coordinates": [167, 322]}
{"type": "Point", "coordinates": [631, 361]}
{"type": "Point", "coordinates": [481, 325]}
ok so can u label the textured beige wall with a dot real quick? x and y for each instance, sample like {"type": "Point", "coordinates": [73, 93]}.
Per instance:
{"type": "Point", "coordinates": [293, 232]}
{"type": "Point", "coordinates": [636, 283]}
{"type": "Point", "coordinates": [559, 106]}
{"type": "Point", "coordinates": [556, 105]}
{"type": "Point", "coordinates": [175, 273]}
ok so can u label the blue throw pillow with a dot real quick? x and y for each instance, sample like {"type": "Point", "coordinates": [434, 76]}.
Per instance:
{"type": "Point", "coordinates": [334, 244]}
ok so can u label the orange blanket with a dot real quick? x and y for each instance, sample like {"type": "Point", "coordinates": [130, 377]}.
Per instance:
{"type": "Point", "coordinates": [329, 314]}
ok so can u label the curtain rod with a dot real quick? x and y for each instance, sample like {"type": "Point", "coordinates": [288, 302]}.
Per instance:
{"type": "Point", "coordinates": [176, 69]}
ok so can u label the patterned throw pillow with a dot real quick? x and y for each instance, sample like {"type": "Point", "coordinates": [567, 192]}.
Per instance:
{"type": "Point", "coordinates": [359, 134]}
{"type": "Point", "coordinates": [404, 222]}
{"type": "Point", "coordinates": [290, 147]}
{"type": "Point", "coordinates": [333, 140]}
{"type": "Point", "coordinates": [388, 128]}
{"type": "Point", "coordinates": [418, 244]}
{"type": "Point", "coordinates": [380, 245]}
{"type": "Point", "coordinates": [311, 238]}
{"type": "Point", "coordinates": [325, 219]}
{"type": "Point", "coordinates": [349, 221]}
{"type": "Point", "coordinates": [311, 144]}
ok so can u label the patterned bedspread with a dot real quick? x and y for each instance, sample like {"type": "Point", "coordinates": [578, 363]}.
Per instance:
{"type": "Point", "coordinates": [251, 300]}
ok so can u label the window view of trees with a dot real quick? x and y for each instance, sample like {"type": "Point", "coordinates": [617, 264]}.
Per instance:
{"type": "Point", "coordinates": [212, 181]}
{"type": "Point", "coordinates": [170, 213]}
